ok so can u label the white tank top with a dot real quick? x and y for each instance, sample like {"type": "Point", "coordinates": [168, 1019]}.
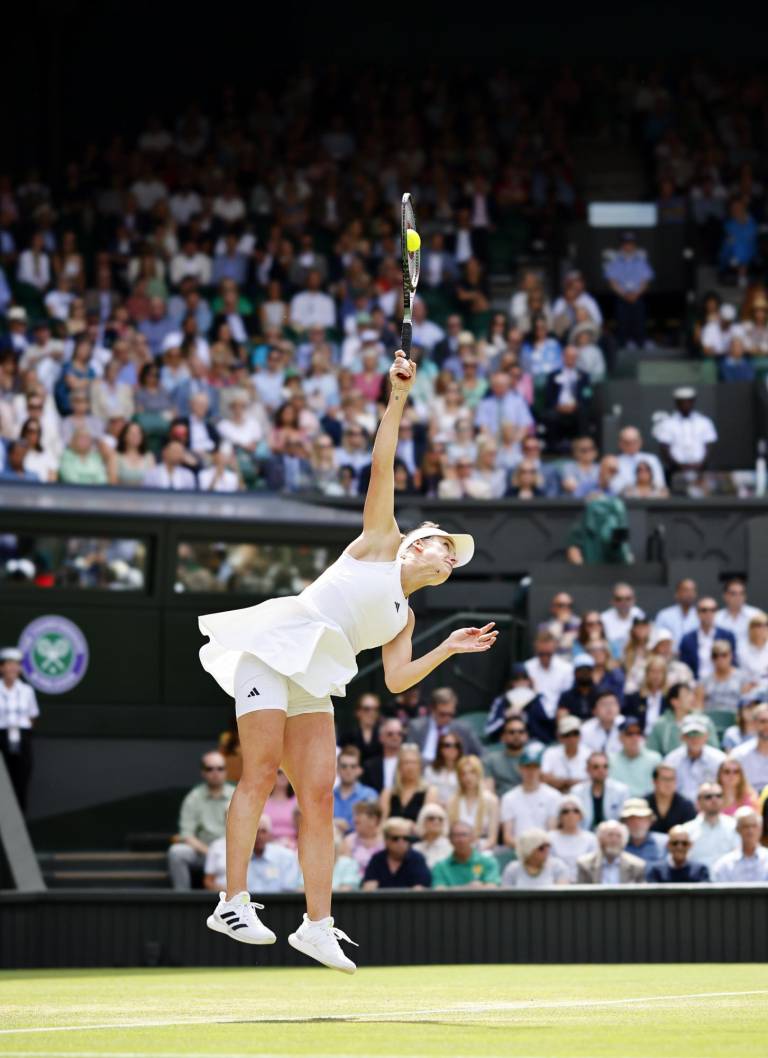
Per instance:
{"type": "Point", "coordinates": [313, 637]}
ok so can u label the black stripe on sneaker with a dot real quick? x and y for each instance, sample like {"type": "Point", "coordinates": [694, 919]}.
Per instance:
{"type": "Point", "coordinates": [228, 914]}
{"type": "Point", "coordinates": [239, 925]}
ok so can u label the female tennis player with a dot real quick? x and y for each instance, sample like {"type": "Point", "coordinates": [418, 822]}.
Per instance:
{"type": "Point", "coordinates": [283, 659]}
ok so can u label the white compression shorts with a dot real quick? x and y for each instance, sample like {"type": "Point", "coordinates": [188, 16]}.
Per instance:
{"type": "Point", "coordinates": [259, 686]}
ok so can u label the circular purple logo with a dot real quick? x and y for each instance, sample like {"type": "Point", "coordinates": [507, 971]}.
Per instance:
{"type": "Point", "coordinates": [55, 654]}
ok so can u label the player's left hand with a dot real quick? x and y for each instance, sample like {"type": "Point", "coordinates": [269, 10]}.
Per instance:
{"type": "Point", "coordinates": [472, 640]}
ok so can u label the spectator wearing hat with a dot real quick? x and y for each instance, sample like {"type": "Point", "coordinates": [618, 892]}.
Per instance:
{"type": "Point", "coordinates": [601, 732]}
{"type": "Point", "coordinates": [397, 865]}
{"type": "Point", "coordinates": [628, 274]}
{"type": "Point", "coordinates": [579, 701]}
{"type": "Point", "coordinates": [665, 735]}
{"type": "Point", "coordinates": [629, 457]}
{"type": "Point", "coordinates": [753, 755]}
{"type": "Point", "coordinates": [661, 645]}
{"type": "Point", "coordinates": [532, 803]}
{"type": "Point", "coordinates": [18, 711]}
{"type": "Point", "coordinates": [680, 864]}
{"type": "Point", "coordinates": [668, 806]}
{"type": "Point", "coordinates": [565, 765]}
{"type": "Point", "coordinates": [749, 863]}
{"type": "Point", "coordinates": [618, 619]}
{"type": "Point", "coordinates": [16, 339]}
{"type": "Point", "coordinates": [506, 704]}
{"type": "Point", "coordinates": [696, 646]}
{"type": "Point", "coordinates": [610, 864]}
{"type": "Point", "coordinates": [637, 816]}
{"type": "Point", "coordinates": [634, 764]}
{"type": "Point", "coordinates": [712, 833]}
{"type": "Point", "coordinates": [694, 762]}
{"type": "Point", "coordinates": [502, 765]}
{"type": "Point", "coordinates": [550, 675]}
{"type": "Point", "coordinates": [680, 618]}
{"type": "Point", "coordinates": [467, 867]}
{"type": "Point", "coordinates": [535, 866]}
{"type": "Point", "coordinates": [569, 839]}
{"type": "Point", "coordinates": [600, 796]}
{"type": "Point", "coordinates": [686, 435]}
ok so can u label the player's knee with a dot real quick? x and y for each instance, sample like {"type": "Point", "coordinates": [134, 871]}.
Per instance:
{"type": "Point", "coordinates": [259, 775]}
{"type": "Point", "coordinates": [316, 799]}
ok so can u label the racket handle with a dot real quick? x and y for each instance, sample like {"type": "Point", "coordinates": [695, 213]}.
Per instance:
{"type": "Point", "coordinates": [406, 335]}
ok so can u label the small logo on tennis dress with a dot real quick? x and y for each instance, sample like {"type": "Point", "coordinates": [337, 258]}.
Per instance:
{"type": "Point", "coordinates": [397, 607]}
{"type": "Point", "coordinates": [252, 692]}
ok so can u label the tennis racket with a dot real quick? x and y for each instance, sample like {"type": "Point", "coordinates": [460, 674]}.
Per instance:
{"type": "Point", "coordinates": [411, 266]}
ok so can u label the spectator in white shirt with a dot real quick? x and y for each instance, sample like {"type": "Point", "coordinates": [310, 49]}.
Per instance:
{"type": "Point", "coordinates": [148, 190]}
{"type": "Point", "coordinates": [717, 335]}
{"type": "Point", "coordinates": [601, 732]}
{"type": "Point", "coordinates": [240, 428]}
{"type": "Point", "coordinates": [190, 261]}
{"type": "Point", "coordinates": [630, 455]}
{"type": "Point", "coordinates": [680, 618]}
{"type": "Point", "coordinates": [221, 475]}
{"type": "Point", "coordinates": [712, 833]}
{"type": "Point", "coordinates": [311, 307]}
{"type": "Point", "coordinates": [686, 434]}
{"type": "Point", "coordinates": [549, 674]}
{"type": "Point", "coordinates": [184, 203]}
{"type": "Point", "coordinates": [532, 803]}
{"type": "Point", "coordinates": [170, 473]}
{"type": "Point", "coordinates": [617, 619]}
{"type": "Point", "coordinates": [753, 754]}
{"type": "Point", "coordinates": [569, 839]}
{"type": "Point", "coordinates": [535, 867]}
{"type": "Point", "coordinates": [753, 651]}
{"type": "Point", "coordinates": [425, 333]}
{"type": "Point", "coordinates": [750, 862]}
{"type": "Point", "coordinates": [565, 765]}
{"type": "Point", "coordinates": [694, 761]}
{"type": "Point", "coordinates": [600, 797]}
{"type": "Point", "coordinates": [229, 206]}
{"type": "Point", "coordinates": [34, 265]}
{"type": "Point", "coordinates": [737, 613]}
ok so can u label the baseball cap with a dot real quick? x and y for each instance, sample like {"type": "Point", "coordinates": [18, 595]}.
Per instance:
{"type": "Point", "coordinates": [466, 338]}
{"type": "Point", "coordinates": [530, 755]}
{"type": "Point", "coordinates": [727, 312]}
{"type": "Point", "coordinates": [17, 314]}
{"type": "Point", "coordinates": [568, 724]}
{"type": "Point", "coordinates": [172, 341]}
{"type": "Point", "coordinates": [635, 806]}
{"type": "Point", "coordinates": [463, 542]}
{"type": "Point", "coordinates": [583, 661]}
{"type": "Point", "coordinates": [684, 393]}
{"type": "Point", "coordinates": [11, 654]}
{"type": "Point", "coordinates": [630, 722]}
{"type": "Point", "coordinates": [660, 635]}
{"type": "Point", "coordinates": [694, 725]}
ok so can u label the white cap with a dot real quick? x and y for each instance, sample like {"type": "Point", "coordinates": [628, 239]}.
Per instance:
{"type": "Point", "coordinates": [727, 312]}
{"type": "Point", "coordinates": [660, 635]}
{"type": "Point", "coordinates": [18, 314]}
{"type": "Point", "coordinates": [172, 341]}
{"type": "Point", "coordinates": [11, 654]}
{"type": "Point", "coordinates": [463, 542]}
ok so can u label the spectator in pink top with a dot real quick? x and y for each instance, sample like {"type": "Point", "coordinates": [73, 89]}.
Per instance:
{"type": "Point", "coordinates": [282, 809]}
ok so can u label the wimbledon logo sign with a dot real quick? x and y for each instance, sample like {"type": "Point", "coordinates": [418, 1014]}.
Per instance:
{"type": "Point", "coordinates": [55, 654]}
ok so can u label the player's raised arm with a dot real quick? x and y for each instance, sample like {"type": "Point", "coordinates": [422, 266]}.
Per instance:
{"type": "Point", "coordinates": [379, 525]}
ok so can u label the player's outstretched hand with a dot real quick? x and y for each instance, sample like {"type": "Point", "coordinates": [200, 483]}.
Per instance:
{"type": "Point", "coordinates": [402, 374]}
{"type": "Point", "coordinates": [472, 640]}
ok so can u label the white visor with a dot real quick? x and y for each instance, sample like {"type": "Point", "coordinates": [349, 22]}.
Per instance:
{"type": "Point", "coordinates": [462, 542]}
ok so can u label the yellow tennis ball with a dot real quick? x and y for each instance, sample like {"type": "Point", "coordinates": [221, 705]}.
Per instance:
{"type": "Point", "coordinates": [413, 240]}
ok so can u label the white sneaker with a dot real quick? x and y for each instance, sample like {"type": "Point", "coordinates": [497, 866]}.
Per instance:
{"type": "Point", "coordinates": [238, 919]}
{"type": "Point", "coordinates": [320, 940]}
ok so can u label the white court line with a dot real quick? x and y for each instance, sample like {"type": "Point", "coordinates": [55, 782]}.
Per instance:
{"type": "Point", "coordinates": [459, 1008]}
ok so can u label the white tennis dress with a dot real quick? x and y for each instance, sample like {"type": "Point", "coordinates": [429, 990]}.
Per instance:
{"type": "Point", "coordinates": [311, 638]}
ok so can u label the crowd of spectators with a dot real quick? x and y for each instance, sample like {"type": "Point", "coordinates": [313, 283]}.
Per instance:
{"type": "Point", "coordinates": [212, 303]}
{"type": "Point", "coordinates": [626, 749]}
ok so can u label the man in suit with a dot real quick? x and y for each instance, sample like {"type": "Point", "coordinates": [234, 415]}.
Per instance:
{"type": "Point", "coordinates": [610, 864]}
{"type": "Point", "coordinates": [438, 267]}
{"type": "Point", "coordinates": [601, 798]}
{"type": "Point", "coordinates": [567, 402]}
{"type": "Point", "coordinates": [289, 471]}
{"type": "Point", "coordinates": [696, 646]}
{"type": "Point", "coordinates": [426, 730]}
{"type": "Point", "coordinates": [379, 772]}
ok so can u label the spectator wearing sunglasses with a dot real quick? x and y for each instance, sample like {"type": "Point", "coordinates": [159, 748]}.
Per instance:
{"type": "Point", "coordinates": [696, 646]}
{"type": "Point", "coordinates": [442, 773]}
{"type": "Point", "coordinates": [569, 839]}
{"type": "Point", "coordinates": [432, 826]}
{"type": "Point", "coordinates": [398, 865]}
{"type": "Point", "coordinates": [723, 688]}
{"type": "Point", "coordinates": [535, 867]}
{"type": "Point", "coordinates": [349, 789]}
{"type": "Point", "coordinates": [712, 833]}
{"type": "Point", "coordinates": [202, 820]}
{"type": "Point", "coordinates": [677, 866]}
{"type": "Point", "coordinates": [365, 733]}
